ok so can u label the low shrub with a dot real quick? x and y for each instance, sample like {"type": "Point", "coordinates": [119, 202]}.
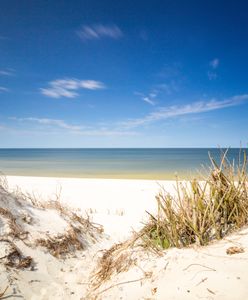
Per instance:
{"type": "Point", "coordinates": [203, 210]}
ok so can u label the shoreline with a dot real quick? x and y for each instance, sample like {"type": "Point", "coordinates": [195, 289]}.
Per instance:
{"type": "Point", "coordinates": [143, 163]}
{"type": "Point", "coordinates": [182, 176]}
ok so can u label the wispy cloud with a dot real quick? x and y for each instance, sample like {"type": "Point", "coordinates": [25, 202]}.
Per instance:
{"type": "Point", "coordinates": [53, 122]}
{"type": "Point", "coordinates": [150, 98]}
{"type": "Point", "coordinates": [3, 89]}
{"type": "Point", "coordinates": [164, 113]}
{"type": "Point", "coordinates": [214, 63]}
{"type": "Point", "coordinates": [68, 87]}
{"type": "Point", "coordinates": [99, 31]}
{"type": "Point", "coordinates": [107, 132]}
{"type": "Point", "coordinates": [158, 89]}
{"type": "Point", "coordinates": [7, 72]}
{"type": "Point", "coordinates": [169, 87]}
{"type": "Point", "coordinates": [76, 129]}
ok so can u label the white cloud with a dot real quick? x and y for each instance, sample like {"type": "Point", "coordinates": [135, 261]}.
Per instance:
{"type": "Point", "coordinates": [179, 110]}
{"type": "Point", "coordinates": [68, 87]}
{"type": "Point", "coordinates": [150, 98]}
{"type": "Point", "coordinates": [58, 92]}
{"type": "Point", "coordinates": [3, 89]}
{"type": "Point", "coordinates": [92, 85]}
{"type": "Point", "coordinates": [7, 72]}
{"type": "Point", "coordinates": [53, 122]}
{"type": "Point", "coordinates": [76, 129]}
{"type": "Point", "coordinates": [107, 132]}
{"type": "Point", "coordinates": [214, 63]}
{"type": "Point", "coordinates": [99, 31]}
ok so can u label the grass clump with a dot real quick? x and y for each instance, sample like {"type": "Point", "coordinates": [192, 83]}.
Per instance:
{"type": "Point", "coordinates": [117, 259]}
{"type": "Point", "coordinates": [12, 256]}
{"type": "Point", "coordinates": [62, 244]}
{"type": "Point", "coordinates": [202, 210]}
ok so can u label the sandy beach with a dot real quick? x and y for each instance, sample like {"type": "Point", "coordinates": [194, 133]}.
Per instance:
{"type": "Point", "coordinates": [121, 201]}
{"type": "Point", "coordinates": [120, 207]}
{"type": "Point", "coordinates": [123, 150]}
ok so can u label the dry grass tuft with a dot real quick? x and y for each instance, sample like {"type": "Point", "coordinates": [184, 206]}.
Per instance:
{"type": "Point", "coordinates": [15, 230]}
{"type": "Point", "coordinates": [202, 211]}
{"type": "Point", "coordinates": [14, 258]}
{"type": "Point", "coordinates": [73, 218]}
{"type": "Point", "coordinates": [234, 250]}
{"type": "Point", "coordinates": [17, 210]}
{"type": "Point", "coordinates": [115, 260]}
{"type": "Point", "coordinates": [73, 239]}
{"type": "Point", "coordinates": [63, 244]}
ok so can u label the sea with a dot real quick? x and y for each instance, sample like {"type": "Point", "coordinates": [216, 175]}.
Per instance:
{"type": "Point", "coordinates": [152, 163]}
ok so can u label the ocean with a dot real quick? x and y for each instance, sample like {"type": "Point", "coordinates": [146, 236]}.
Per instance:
{"type": "Point", "coordinates": [111, 163]}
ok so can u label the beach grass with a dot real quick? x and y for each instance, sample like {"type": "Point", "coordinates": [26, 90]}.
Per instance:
{"type": "Point", "coordinates": [202, 211]}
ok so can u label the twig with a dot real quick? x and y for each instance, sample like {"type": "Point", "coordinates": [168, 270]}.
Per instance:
{"type": "Point", "coordinates": [198, 265]}
{"type": "Point", "coordinates": [211, 291]}
{"type": "Point", "coordinates": [166, 265]}
{"type": "Point", "coordinates": [203, 279]}
{"type": "Point", "coordinates": [121, 283]}
{"type": "Point", "coordinates": [2, 293]}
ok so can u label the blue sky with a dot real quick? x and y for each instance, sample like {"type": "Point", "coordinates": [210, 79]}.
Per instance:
{"type": "Point", "coordinates": [123, 73]}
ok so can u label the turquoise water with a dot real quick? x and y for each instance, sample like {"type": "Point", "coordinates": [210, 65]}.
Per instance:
{"type": "Point", "coordinates": [109, 163]}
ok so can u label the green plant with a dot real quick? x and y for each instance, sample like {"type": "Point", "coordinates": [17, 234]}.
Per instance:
{"type": "Point", "coordinates": [202, 210]}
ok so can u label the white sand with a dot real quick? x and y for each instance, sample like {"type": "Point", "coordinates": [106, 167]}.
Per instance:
{"type": "Point", "coordinates": [107, 201]}
{"type": "Point", "coordinates": [120, 205]}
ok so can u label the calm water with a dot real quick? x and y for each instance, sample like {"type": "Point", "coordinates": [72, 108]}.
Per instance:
{"type": "Point", "coordinates": [108, 163]}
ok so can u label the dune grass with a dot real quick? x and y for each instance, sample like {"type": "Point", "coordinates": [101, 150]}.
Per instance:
{"type": "Point", "coordinates": [17, 210]}
{"type": "Point", "coordinates": [202, 210]}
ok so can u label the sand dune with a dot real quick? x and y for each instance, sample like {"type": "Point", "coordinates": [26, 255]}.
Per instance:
{"type": "Point", "coordinates": [39, 271]}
